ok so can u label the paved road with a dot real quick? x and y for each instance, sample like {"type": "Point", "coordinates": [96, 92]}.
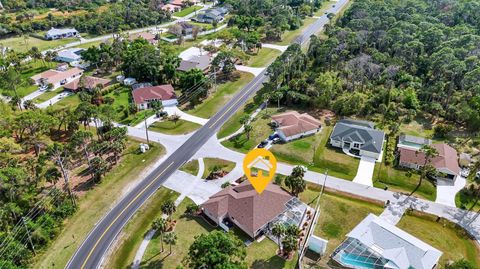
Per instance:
{"type": "Point", "coordinates": [91, 252]}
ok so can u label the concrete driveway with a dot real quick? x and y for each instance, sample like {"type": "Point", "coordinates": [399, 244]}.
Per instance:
{"type": "Point", "coordinates": [365, 171]}
{"type": "Point", "coordinates": [447, 190]}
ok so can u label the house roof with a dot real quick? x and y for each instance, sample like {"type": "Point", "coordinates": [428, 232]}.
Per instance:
{"type": "Point", "coordinates": [293, 123]}
{"type": "Point", "coordinates": [359, 131]}
{"type": "Point", "coordinates": [55, 31]}
{"type": "Point", "coordinates": [201, 62]}
{"type": "Point", "coordinates": [55, 76]}
{"type": "Point", "coordinates": [145, 35]}
{"type": "Point", "coordinates": [250, 209]}
{"type": "Point", "coordinates": [394, 244]}
{"type": "Point", "coordinates": [414, 139]}
{"type": "Point", "coordinates": [160, 92]}
{"type": "Point", "coordinates": [170, 7]}
{"type": "Point", "coordinates": [181, 2]}
{"type": "Point", "coordinates": [447, 157]}
{"type": "Point", "coordinates": [90, 82]}
{"type": "Point", "coordinates": [73, 53]}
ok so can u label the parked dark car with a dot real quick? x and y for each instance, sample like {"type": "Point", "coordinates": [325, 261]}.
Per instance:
{"type": "Point", "coordinates": [263, 144]}
{"type": "Point", "coordinates": [272, 136]}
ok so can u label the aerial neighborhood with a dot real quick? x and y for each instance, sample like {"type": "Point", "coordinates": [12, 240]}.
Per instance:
{"type": "Point", "coordinates": [240, 134]}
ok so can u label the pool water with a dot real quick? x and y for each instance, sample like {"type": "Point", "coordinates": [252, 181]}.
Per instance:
{"type": "Point", "coordinates": [356, 261]}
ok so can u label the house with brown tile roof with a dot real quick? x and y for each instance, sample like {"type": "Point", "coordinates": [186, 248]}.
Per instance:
{"type": "Point", "coordinates": [171, 8]}
{"type": "Point", "coordinates": [151, 38]}
{"type": "Point", "coordinates": [89, 83]}
{"type": "Point", "coordinates": [293, 125]}
{"type": "Point", "coordinates": [143, 96]}
{"type": "Point", "coordinates": [57, 77]}
{"type": "Point", "coordinates": [446, 163]}
{"type": "Point", "coordinates": [182, 3]}
{"type": "Point", "coordinates": [244, 207]}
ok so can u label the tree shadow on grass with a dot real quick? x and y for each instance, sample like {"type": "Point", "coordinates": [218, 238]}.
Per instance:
{"type": "Point", "coordinates": [272, 262]}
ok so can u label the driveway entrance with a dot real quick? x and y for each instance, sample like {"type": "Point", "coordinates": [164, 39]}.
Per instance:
{"type": "Point", "coordinates": [365, 171]}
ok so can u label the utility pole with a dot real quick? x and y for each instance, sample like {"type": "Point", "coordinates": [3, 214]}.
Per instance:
{"type": "Point", "coordinates": [214, 79]}
{"type": "Point", "coordinates": [29, 236]}
{"type": "Point", "coordinates": [146, 129]}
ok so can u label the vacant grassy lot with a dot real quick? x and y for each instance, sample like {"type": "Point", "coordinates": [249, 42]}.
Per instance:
{"type": "Point", "coordinates": [302, 150]}
{"type": "Point", "coordinates": [47, 95]}
{"type": "Point", "coordinates": [233, 124]}
{"type": "Point", "coordinates": [443, 235]}
{"type": "Point", "coordinates": [191, 167]}
{"type": "Point", "coordinates": [221, 96]}
{"type": "Point", "coordinates": [184, 12]}
{"type": "Point", "coordinates": [132, 236]}
{"type": "Point", "coordinates": [263, 58]}
{"type": "Point", "coordinates": [96, 202]}
{"type": "Point", "coordinates": [174, 128]}
{"type": "Point", "coordinates": [261, 131]}
{"type": "Point", "coordinates": [25, 43]}
{"type": "Point", "coordinates": [212, 164]}
{"type": "Point", "coordinates": [339, 215]}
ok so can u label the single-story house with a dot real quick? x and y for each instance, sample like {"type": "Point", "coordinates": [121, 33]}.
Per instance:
{"type": "Point", "coordinates": [412, 142]}
{"type": "Point", "coordinates": [183, 3]}
{"type": "Point", "coordinates": [376, 243]}
{"type": "Point", "coordinates": [358, 137]}
{"type": "Point", "coordinates": [57, 77]}
{"type": "Point", "coordinates": [151, 38]}
{"type": "Point", "coordinates": [55, 33]}
{"type": "Point", "coordinates": [293, 125]}
{"type": "Point", "coordinates": [185, 28]}
{"type": "Point", "coordinates": [171, 8]}
{"type": "Point", "coordinates": [201, 62]}
{"type": "Point", "coordinates": [446, 162]}
{"type": "Point", "coordinates": [211, 15]}
{"type": "Point", "coordinates": [89, 83]}
{"type": "Point", "coordinates": [164, 93]}
{"type": "Point", "coordinates": [244, 207]}
{"type": "Point", "coordinates": [69, 55]}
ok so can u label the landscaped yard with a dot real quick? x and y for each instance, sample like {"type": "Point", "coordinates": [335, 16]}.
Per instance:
{"type": "Point", "coordinates": [174, 128]}
{"type": "Point", "coordinates": [96, 202]}
{"type": "Point", "coordinates": [137, 227]}
{"type": "Point", "coordinates": [259, 254]}
{"type": "Point", "coordinates": [264, 57]}
{"type": "Point", "coordinates": [191, 167]}
{"type": "Point", "coordinates": [71, 101]}
{"type": "Point", "coordinates": [184, 12]}
{"type": "Point", "coordinates": [20, 44]}
{"type": "Point", "coordinates": [212, 164]}
{"type": "Point", "coordinates": [261, 131]}
{"type": "Point", "coordinates": [443, 235]}
{"type": "Point", "coordinates": [222, 95]}
{"type": "Point", "coordinates": [47, 95]}
{"type": "Point", "coordinates": [121, 102]}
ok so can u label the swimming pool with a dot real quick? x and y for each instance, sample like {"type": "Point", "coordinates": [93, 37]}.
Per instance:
{"type": "Point", "coordinates": [356, 261]}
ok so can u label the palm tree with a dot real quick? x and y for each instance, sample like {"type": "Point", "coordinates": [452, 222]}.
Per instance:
{"type": "Point", "coordinates": [295, 180]}
{"type": "Point", "coordinates": [170, 239]}
{"type": "Point", "coordinates": [266, 98]}
{"type": "Point", "coordinates": [279, 230]}
{"type": "Point", "coordinates": [289, 244]}
{"type": "Point", "coordinates": [168, 208]}
{"type": "Point", "coordinates": [248, 129]}
{"type": "Point", "coordinates": [427, 168]}
{"type": "Point", "coordinates": [279, 96]}
{"type": "Point", "coordinates": [160, 224]}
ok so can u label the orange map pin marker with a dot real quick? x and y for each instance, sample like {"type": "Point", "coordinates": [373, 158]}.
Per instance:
{"type": "Point", "coordinates": [259, 166]}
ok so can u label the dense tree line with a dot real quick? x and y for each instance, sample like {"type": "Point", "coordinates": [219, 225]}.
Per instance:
{"type": "Point", "coordinates": [18, 5]}
{"type": "Point", "coordinates": [38, 151]}
{"type": "Point", "coordinates": [117, 17]}
{"type": "Point", "coordinates": [394, 58]}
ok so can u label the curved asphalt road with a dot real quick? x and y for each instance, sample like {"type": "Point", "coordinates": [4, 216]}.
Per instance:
{"type": "Point", "coordinates": [90, 253]}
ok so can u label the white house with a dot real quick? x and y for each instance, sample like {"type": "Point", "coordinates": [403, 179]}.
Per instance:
{"type": "Point", "coordinates": [57, 77]}
{"type": "Point", "coordinates": [55, 33]}
{"type": "Point", "coordinates": [69, 55]}
{"type": "Point", "coordinates": [293, 125]}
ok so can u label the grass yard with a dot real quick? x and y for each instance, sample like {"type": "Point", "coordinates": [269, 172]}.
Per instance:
{"type": "Point", "coordinates": [418, 127]}
{"type": "Point", "coordinates": [233, 124]}
{"type": "Point", "coordinates": [47, 95]}
{"type": "Point", "coordinates": [122, 101]}
{"type": "Point", "coordinates": [289, 36]}
{"type": "Point", "coordinates": [397, 180]}
{"type": "Point", "coordinates": [191, 167]}
{"type": "Point", "coordinates": [87, 45]}
{"type": "Point", "coordinates": [131, 237]}
{"type": "Point", "coordinates": [339, 215]}
{"type": "Point", "coordinates": [95, 203]}
{"type": "Point", "coordinates": [172, 128]}
{"type": "Point", "coordinates": [221, 96]}
{"type": "Point", "coordinates": [184, 12]}
{"type": "Point", "coordinates": [301, 150]}
{"type": "Point", "coordinates": [467, 199]}
{"type": "Point", "coordinates": [444, 235]}
{"type": "Point", "coordinates": [325, 6]}
{"type": "Point", "coordinates": [137, 118]}
{"type": "Point", "coordinates": [259, 254]}
{"type": "Point", "coordinates": [214, 163]}
{"type": "Point", "coordinates": [20, 44]}
{"type": "Point", "coordinates": [264, 57]}
{"type": "Point", "coordinates": [261, 131]}
{"type": "Point", "coordinates": [71, 101]}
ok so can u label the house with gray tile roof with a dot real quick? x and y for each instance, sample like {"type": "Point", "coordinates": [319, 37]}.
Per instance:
{"type": "Point", "coordinates": [376, 243]}
{"type": "Point", "coordinates": [358, 137]}
{"type": "Point", "coordinates": [55, 33]}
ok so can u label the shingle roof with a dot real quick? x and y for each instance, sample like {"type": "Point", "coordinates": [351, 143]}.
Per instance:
{"type": "Point", "coordinates": [160, 92]}
{"type": "Point", "coordinates": [72, 53]}
{"type": "Point", "coordinates": [447, 157]}
{"type": "Point", "coordinates": [55, 76]}
{"type": "Point", "coordinates": [414, 139]}
{"type": "Point", "coordinates": [90, 82]}
{"type": "Point", "coordinates": [55, 31]}
{"type": "Point", "coordinates": [145, 35]}
{"type": "Point", "coordinates": [246, 206]}
{"type": "Point", "coordinates": [394, 244]}
{"type": "Point", "coordinates": [201, 62]}
{"type": "Point", "coordinates": [292, 123]}
{"type": "Point", "coordinates": [359, 131]}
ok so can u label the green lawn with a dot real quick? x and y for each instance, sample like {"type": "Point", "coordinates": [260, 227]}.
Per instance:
{"type": "Point", "coordinates": [139, 225]}
{"type": "Point", "coordinates": [20, 44]}
{"type": "Point", "coordinates": [444, 235]}
{"type": "Point", "coordinates": [397, 180]}
{"type": "Point", "coordinates": [87, 45]}
{"type": "Point", "coordinates": [323, 8]}
{"type": "Point", "coordinates": [212, 163]}
{"type": "Point", "coordinates": [261, 131]}
{"type": "Point", "coordinates": [233, 124]}
{"type": "Point", "coordinates": [137, 118]}
{"type": "Point", "coordinates": [259, 254]}
{"type": "Point", "coordinates": [47, 95]}
{"type": "Point", "coordinates": [71, 101]}
{"type": "Point", "coordinates": [289, 36]}
{"type": "Point", "coordinates": [466, 199]}
{"type": "Point", "coordinates": [184, 12]}
{"type": "Point", "coordinates": [264, 57]}
{"type": "Point", "coordinates": [95, 203]}
{"type": "Point", "coordinates": [191, 167]}
{"type": "Point", "coordinates": [222, 95]}
{"type": "Point", "coordinates": [339, 215]}
{"type": "Point", "coordinates": [172, 128]}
